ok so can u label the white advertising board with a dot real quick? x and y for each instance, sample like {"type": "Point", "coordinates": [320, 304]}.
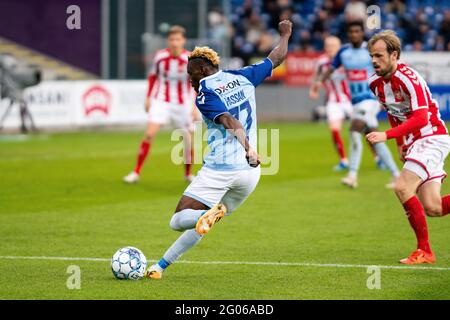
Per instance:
{"type": "Point", "coordinates": [433, 66]}
{"type": "Point", "coordinates": [82, 103]}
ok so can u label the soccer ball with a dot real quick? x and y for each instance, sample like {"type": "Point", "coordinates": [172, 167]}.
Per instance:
{"type": "Point", "coordinates": [128, 263]}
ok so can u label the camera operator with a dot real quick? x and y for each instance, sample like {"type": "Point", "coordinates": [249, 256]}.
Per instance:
{"type": "Point", "coordinates": [14, 78]}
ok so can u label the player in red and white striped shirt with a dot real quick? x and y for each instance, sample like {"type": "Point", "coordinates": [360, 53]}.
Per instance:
{"type": "Point", "coordinates": [421, 136]}
{"type": "Point", "coordinates": [338, 97]}
{"type": "Point", "coordinates": [170, 99]}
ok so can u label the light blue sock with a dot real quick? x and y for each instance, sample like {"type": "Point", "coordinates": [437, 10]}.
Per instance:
{"type": "Point", "coordinates": [386, 156]}
{"type": "Point", "coordinates": [356, 150]}
{"type": "Point", "coordinates": [186, 241]}
{"type": "Point", "coordinates": [182, 220]}
{"type": "Point", "coordinates": [185, 219]}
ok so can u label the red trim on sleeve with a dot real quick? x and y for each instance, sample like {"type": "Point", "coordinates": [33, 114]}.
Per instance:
{"type": "Point", "coordinates": [151, 84]}
{"type": "Point", "coordinates": [153, 76]}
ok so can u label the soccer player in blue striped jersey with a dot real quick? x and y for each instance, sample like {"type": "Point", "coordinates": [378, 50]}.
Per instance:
{"type": "Point", "coordinates": [226, 100]}
{"type": "Point", "coordinates": [358, 67]}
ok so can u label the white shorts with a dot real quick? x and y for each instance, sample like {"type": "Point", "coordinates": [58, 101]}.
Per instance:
{"type": "Point", "coordinates": [230, 187]}
{"type": "Point", "coordinates": [367, 111]}
{"type": "Point", "coordinates": [164, 113]}
{"type": "Point", "coordinates": [337, 111]}
{"type": "Point", "coordinates": [426, 157]}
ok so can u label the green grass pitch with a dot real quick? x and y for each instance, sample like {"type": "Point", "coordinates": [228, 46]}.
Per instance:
{"type": "Point", "coordinates": [61, 195]}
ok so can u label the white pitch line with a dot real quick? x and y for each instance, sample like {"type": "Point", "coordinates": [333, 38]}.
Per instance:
{"type": "Point", "coordinates": [256, 263]}
{"type": "Point", "coordinates": [53, 258]}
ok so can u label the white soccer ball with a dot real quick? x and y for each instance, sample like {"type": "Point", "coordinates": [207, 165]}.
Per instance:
{"type": "Point", "coordinates": [128, 263]}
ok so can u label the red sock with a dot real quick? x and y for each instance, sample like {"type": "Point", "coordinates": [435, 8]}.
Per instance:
{"type": "Point", "coordinates": [143, 151]}
{"type": "Point", "coordinates": [416, 216]}
{"type": "Point", "coordinates": [445, 205]}
{"type": "Point", "coordinates": [338, 143]}
{"type": "Point", "coordinates": [188, 163]}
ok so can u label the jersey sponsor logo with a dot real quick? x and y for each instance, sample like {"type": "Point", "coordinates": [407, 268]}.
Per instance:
{"type": "Point", "coordinates": [357, 75]}
{"type": "Point", "coordinates": [397, 110]}
{"type": "Point", "coordinates": [229, 86]}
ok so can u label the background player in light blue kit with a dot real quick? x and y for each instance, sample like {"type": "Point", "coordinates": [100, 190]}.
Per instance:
{"type": "Point", "coordinates": [358, 67]}
{"type": "Point", "coordinates": [226, 99]}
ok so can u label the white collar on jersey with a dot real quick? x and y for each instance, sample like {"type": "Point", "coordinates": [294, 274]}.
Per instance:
{"type": "Point", "coordinates": [362, 46]}
{"type": "Point", "coordinates": [211, 75]}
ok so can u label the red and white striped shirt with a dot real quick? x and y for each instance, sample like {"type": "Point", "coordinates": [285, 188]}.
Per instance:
{"type": "Point", "coordinates": [412, 111]}
{"type": "Point", "coordinates": [168, 79]}
{"type": "Point", "coordinates": [336, 86]}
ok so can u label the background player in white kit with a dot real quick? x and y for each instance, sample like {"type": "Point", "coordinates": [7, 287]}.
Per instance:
{"type": "Point", "coordinates": [226, 99]}
{"type": "Point", "coordinates": [421, 136]}
{"type": "Point", "coordinates": [170, 100]}
{"type": "Point", "coordinates": [339, 104]}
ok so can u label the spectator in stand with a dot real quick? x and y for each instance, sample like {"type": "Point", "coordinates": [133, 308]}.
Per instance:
{"type": "Point", "coordinates": [421, 26]}
{"type": "Point", "coordinates": [305, 43]}
{"type": "Point", "coordinates": [418, 30]}
{"type": "Point", "coordinates": [285, 14]}
{"type": "Point", "coordinates": [334, 7]}
{"type": "Point", "coordinates": [440, 43]}
{"type": "Point", "coordinates": [320, 24]}
{"type": "Point", "coordinates": [417, 45]}
{"type": "Point", "coordinates": [397, 7]}
{"type": "Point", "coordinates": [254, 28]}
{"type": "Point", "coordinates": [444, 30]}
{"type": "Point", "coordinates": [275, 8]}
{"type": "Point", "coordinates": [320, 29]}
{"type": "Point", "coordinates": [247, 8]}
{"type": "Point", "coordinates": [266, 44]}
{"type": "Point", "coordinates": [355, 11]}
{"type": "Point", "coordinates": [250, 29]}
{"type": "Point", "coordinates": [219, 28]}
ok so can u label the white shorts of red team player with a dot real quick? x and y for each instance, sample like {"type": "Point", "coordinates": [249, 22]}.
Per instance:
{"type": "Point", "coordinates": [426, 156]}
{"type": "Point", "coordinates": [167, 113]}
{"type": "Point", "coordinates": [338, 111]}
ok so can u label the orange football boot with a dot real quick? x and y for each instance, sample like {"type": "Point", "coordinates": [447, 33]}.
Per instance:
{"type": "Point", "coordinates": [419, 256]}
{"type": "Point", "coordinates": [213, 215]}
{"type": "Point", "coordinates": [151, 273]}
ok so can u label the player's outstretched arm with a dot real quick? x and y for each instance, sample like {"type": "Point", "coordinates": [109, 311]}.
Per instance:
{"type": "Point", "coordinates": [314, 89]}
{"type": "Point", "coordinates": [234, 127]}
{"type": "Point", "coordinates": [278, 54]}
{"type": "Point", "coordinates": [318, 82]}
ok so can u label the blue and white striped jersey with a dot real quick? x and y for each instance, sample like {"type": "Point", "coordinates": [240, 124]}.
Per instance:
{"type": "Point", "coordinates": [231, 91]}
{"type": "Point", "coordinates": [358, 68]}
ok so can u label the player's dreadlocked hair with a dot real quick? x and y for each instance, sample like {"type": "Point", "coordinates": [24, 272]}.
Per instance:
{"type": "Point", "coordinates": [206, 54]}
